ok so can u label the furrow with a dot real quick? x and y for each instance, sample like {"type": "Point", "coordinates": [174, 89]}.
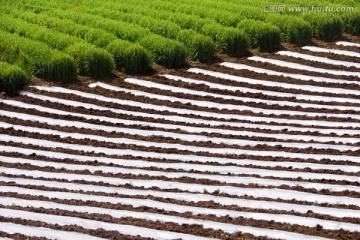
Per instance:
{"type": "Point", "coordinates": [151, 84]}
{"type": "Point", "coordinates": [303, 67]}
{"type": "Point", "coordinates": [13, 228]}
{"type": "Point", "coordinates": [92, 224]}
{"type": "Point", "coordinates": [188, 140]}
{"type": "Point", "coordinates": [179, 119]}
{"type": "Point", "coordinates": [228, 228]}
{"type": "Point", "coordinates": [184, 111]}
{"type": "Point", "coordinates": [199, 159]}
{"type": "Point", "coordinates": [170, 207]}
{"type": "Point", "coordinates": [348, 44]}
{"type": "Point", "coordinates": [334, 51]}
{"type": "Point", "coordinates": [187, 197]}
{"type": "Point", "coordinates": [193, 133]}
{"type": "Point", "coordinates": [174, 175]}
{"type": "Point", "coordinates": [302, 77]}
{"type": "Point", "coordinates": [193, 150]}
{"type": "Point", "coordinates": [318, 59]}
{"type": "Point", "coordinates": [195, 188]}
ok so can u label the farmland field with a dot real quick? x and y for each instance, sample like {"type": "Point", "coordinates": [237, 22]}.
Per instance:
{"type": "Point", "coordinates": [191, 120]}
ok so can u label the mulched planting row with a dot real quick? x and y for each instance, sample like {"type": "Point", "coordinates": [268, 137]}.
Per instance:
{"type": "Point", "coordinates": [118, 163]}
{"type": "Point", "coordinates": [333, 45]}
{"type": "Point", "coordinates": [210, 180]}
{"type": "Point", "coordinates": [315, 63]}
{"type": "Point", "coordinates": [234, 72]}
{"type": "Point", "coordinates": [336, 56]}
{"type": "Point", "coordinates": [281, 79]}
{"type": "Point", "coordinates": [159, 139]}
{"type": "Point", "coordinates": [205, 152]}
{"type": "Point", "coordinates": [148, 137]}
{"type": "Point", "coordinates": [122, 95]}
{"type": "Point", "coordinates": [18, 236]}
{"type": "Point", "coordinates": [201, 204]}
{"type": "Point", "coordinates": [180, 124]}
{"type": "Point", "coordinates": [190, 107]}
{"type": "Point", "coordinates": [195, 229]}
{"type": "Point", "coordinates": [73, 228]}
{"type": "Point", "coordinates": [176, 190]}
{"type": "Point", "coordinates": [105, 144]}
{"type": "Point", "coordinates": [191, 180]}
{"type": "Point", "coordinates": [240, 157]}
{"type": "Point", "coordinates": [224, 82]}
{"type": "Point", "coordinates": [223, 101]}
{"type": "Point", "coordinates": [274, 67]}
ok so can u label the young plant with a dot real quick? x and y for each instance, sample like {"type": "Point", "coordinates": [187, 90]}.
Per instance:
{"type": "Point", "coordinates": [164, 51]}
{"type": "Point", "coordinates": [45, 62]}
{"type": "Point", "coordinates": [228, 40]}
{"type": "Point", "coordinates": [12, 78]}
{"type": "Point", "coordinates": [199, 47]}
{"type": "Point", "coordinates": [352, 23]}
{"type": "Point", "coordinates": [293, 29]}
{"type": "Point", "coordinates": [325, 26]}
{"type": "Point", "coordinates": [129, 57]}
{"type": "Point", "coordinates": [91, 61]}
{"type": "Point", "coordinates": [264, 36]}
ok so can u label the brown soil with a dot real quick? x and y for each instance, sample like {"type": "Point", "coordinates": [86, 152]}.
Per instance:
{"type": "Point", "coordinates": [194, 229]}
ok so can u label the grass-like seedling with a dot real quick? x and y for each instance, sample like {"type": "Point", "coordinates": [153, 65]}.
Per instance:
{"type": "Point", "coordinates": [229, 40]}
{"type": "Point", "coordinates": [45, 62]}
{"type": "Point", "coordinates": [140, 32]}
{"type": "Point", "coordinates": [122, 30]}
{"type": "Point", "coordinates": [164, 51]}
{"type": "Point", "coordinates": [199, 47]}
{"type": "Point", "coordinates": [293, 29]}
{"type": "Point", "coordinates": [352, 22]}
{"type": "Point", "coordinates": [91, 61]}
{"type": "Point", "coordinates": [326, 27]}
{"type": "Point", "coordinates": [262, 35]}
{"type": "Point", "coordinates": [129, 57]}
{"type": "Point", "coordinates": [12, 78]}
{"type": "Point", "coordinates": [95, 36]}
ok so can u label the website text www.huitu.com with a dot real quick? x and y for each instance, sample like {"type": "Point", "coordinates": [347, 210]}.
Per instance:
{"type": "Point", "coordinates": [284, 8]}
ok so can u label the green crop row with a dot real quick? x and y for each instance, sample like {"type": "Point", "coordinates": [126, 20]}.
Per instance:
{"type": "Point", "coordinates": [12, 78]}
{"type": "Point", "coordinates": [292, 29]}
{"type": "Point", "coordinates": [325, 27]}
{"type": "Point", "coordinates": [228, 40]}
{"type": "Point", "coordinates": [129, 57]}
{"type": "Point", "coordinates": [37, 58]}
{"type": "Point", "coordinates": [352, 23]}
{"type": "Point", "coordinates": [90, 60]}
{"type": "Point", "coordinates": [230, 13]}
{"type": "Point", "coordinates": [199, 47]}
{"type": "Point", "coordinates": [251, 10]}
{"type": "Point", "coordinates": [133, 33]}
{"type": "Point", "coordinates": [264, 36]}
{"type": "Point", "coordinates": [90, 37]}
{"type": "Point", "coordinates": [95, 36]}
{"type": "Point", "coordinates": [224, 44]}
{"type": "Point", "coordinates": [240, 12]}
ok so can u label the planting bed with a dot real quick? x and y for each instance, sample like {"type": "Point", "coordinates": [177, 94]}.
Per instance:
{"type": "Point", "coordinates": [244, 148]}
{"type": "Point", "coordinates": [59, 41]}
{"type": "Point", "coordinates": [191, 120]}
